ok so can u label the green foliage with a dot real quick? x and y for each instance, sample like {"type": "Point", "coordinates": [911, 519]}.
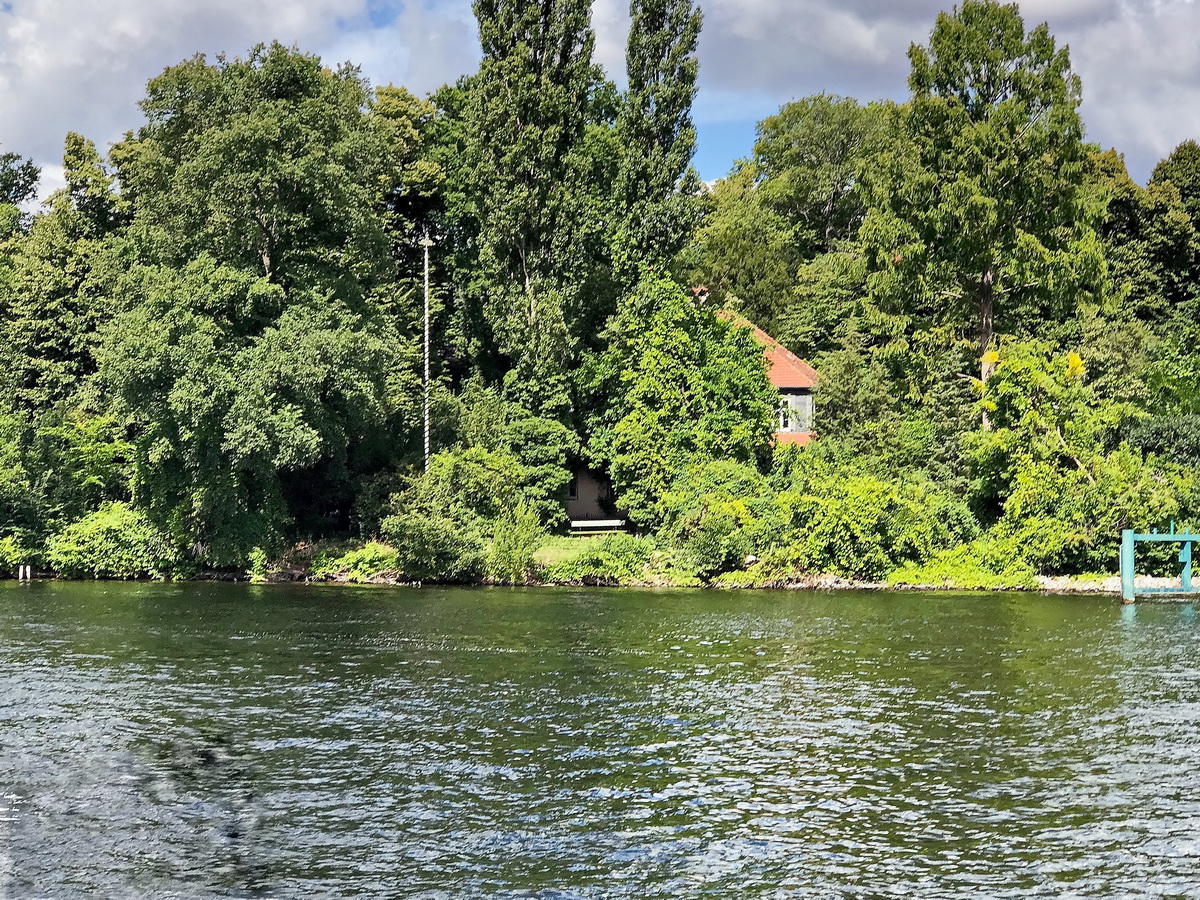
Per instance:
{"type": "Point", "coordinates": [446, 517]}
{"type": "Point", "coordinates": [1070, 520]}
{"type": "Point", "coordinates": [57, 468]}
{"type": "Point", "coordinates": [977, 222]}
{"type": "Point", "coordinates": [59, 273]}
{"type": "Point", "coordinates": [809, 156]}
{"type": "Point", "coordinates": [613, 560]}
{"type": "Point", "coordinates": [243, 403]}
{"type": "Point", "coordinates": [818, 517]}
{"type": "Point", "coordinates": [116, 541]}
{"type": "Point", "coordinates": [527, 116]}
{"type": "Point", "coordinates": [744, 251]}
{"type": "Point", "coordinates": [256, 565]}
{"type": "Point", "coordinates": [861, 526]}
{"type": "Point", "coordinates": [518, 535]}
{"type": "Point", "coordinates": [434, 548]}
{"type": "Point", "coordinates": [210, 340]}
{"type": "Point", "coordinates": [12, 557]}
{"type": "Point", "coordinates": [656, 135]}
{"type": "Point", "coordinates": [1174, 439]}
{"type": "Point", "coordinates": [1051, 470]}
{"type": "Point", "coordinates": [270, 164]}
{"type": "Point", "coordinates": [721, 512]}
{"type": "Point", "coordinates": [359, 564]}
{"type": "Point", "coordinates": [1181, 169]}
{"type": "Point", "coordinates": [682, 387]}
{"type": "Point", "coordinates": [18, 178]}
{"type": "Point", "coordinates": [988, 563]}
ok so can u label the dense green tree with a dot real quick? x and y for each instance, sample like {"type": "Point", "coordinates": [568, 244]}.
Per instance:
{"type": "Point", "coordinates": [745, 251]}
{"type": "Point", "coordinates": [259, 354]}
{"type": "Point", "coordinates": [977, 224]}
{"type": "Point", "coordinates": [1182, 169]}
{"type": "Point", "coordinates": [527, 114]}
{"type": "Point", "coordinates": [808, 158]}
{"type": "Point", "coordinates": [799, 197]}
{"type": "Point", "coordinates": [247, 409]}
{"type": "Point", "coordinates": [18, 182]}
{"type": "Point", "coordinates": [57, 284]}
{"type": "Point", "coordinates": [682, 386]}
{"type": "Point", "coordinates": [1150, 243]}
{"type": "Point", "coordinates": [269, 164]}
{"type": "Point", "coordinates": [657, 138]}
{"type": "Point", "coordinates": [18, 178]}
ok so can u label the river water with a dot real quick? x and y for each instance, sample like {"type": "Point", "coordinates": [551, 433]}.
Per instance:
{"type": "Point", "coordinates": [195, 741]}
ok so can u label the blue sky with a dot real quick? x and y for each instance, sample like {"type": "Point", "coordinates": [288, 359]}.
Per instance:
{"type": "Point", "coordinates": [82, 65]}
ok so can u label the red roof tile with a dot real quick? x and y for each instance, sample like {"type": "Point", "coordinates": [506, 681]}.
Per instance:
{"type": "Point", "coordinates": [787, 370]}
{"type": "Point", "coordinates": [798, 438]}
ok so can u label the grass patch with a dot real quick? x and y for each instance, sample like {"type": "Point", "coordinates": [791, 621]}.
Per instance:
{"type": "Point", "coordinates": [557, 547]}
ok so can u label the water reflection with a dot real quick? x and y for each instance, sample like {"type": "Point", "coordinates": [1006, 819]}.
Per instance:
{"type": "Point", "coordinates": [203, 741]}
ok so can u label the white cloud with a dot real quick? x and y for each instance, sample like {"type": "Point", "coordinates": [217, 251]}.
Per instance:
{"type": "Point", "coordinates": [82, 65]}
{"type": "Point", "coordinates": [1139, 59]}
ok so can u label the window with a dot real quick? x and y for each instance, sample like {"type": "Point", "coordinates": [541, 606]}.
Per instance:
{"type": "Point", "coordinates": [795, 413]}
{"type": "Point", "coordinates": [573, 488]}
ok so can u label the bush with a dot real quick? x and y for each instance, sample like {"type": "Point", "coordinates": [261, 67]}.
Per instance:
{"type": "Point", "coordinates": [616, 559]}
{"type": "Point", "coordinates": [519, 534]}
{"type": "Point", "coordinates": [432, 548]}
{"type": "Point", "coordinates": [12, 556]}
{"type": "Point", "coordinates": [831, 519]}
{"type": "Point", "coordinates": [116, 541]}
{"type": "Point", "coordinates": [256, 565]}
{"type": "Point", "coordinates": [361, 564]}
{"type": "Point", "coordinates": [987, 563]}
{"type": "Point", "coordinates": [718, 513]}
{"type": "Point", "coordinates": [1069, 520]}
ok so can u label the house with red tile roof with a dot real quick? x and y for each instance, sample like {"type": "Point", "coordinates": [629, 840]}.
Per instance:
{"type": "Point", "coordinates": [792, 377]}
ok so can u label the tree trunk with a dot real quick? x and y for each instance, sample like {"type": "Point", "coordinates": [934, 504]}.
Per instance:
{"type": "Point", "coordinates": [987, 326]}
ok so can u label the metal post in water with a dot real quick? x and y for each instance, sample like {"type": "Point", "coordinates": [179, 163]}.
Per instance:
{"type": "Point", "coordinates": [1185, 577]}
{"type": "Point", "coordinates": [1127, 565]}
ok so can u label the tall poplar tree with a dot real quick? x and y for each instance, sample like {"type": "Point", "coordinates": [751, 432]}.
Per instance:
{"type": "Point", "coordinates": [527, 118]}
{"type": "Point", "coordinates": [656, 134]}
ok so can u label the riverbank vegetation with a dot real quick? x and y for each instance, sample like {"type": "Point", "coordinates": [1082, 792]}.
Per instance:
{"type": "Point", "coordinates": [211, 346]}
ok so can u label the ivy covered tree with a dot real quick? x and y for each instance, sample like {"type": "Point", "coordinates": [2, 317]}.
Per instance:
{"type": "Point", "coordinates": [682, 387]}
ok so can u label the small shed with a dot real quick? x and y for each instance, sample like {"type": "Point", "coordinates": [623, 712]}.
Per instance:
{"type": "Point", "coordinates": [590, 501]}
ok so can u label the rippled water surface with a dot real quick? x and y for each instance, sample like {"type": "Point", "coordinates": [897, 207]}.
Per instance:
{"type": "Point", "coordinates": [229, 741]}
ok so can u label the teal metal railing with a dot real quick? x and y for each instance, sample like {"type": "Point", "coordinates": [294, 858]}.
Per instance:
{"type": "Point", "coordinates": [1129, 541]}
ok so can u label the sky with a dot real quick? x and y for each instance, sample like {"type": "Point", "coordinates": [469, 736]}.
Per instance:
{"type": "Point", "coordinates": [82, 65]}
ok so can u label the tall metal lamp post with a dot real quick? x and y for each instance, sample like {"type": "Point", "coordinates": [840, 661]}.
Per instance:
{"type": "Point", "coordinates": [426, 242]}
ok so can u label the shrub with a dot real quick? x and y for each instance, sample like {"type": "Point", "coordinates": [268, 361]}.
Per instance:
{"type": "Point", "coordinates": [360, 564]}
{"type": "Point", "coordinates": [1069, 520]}
{"type": "Point", "coordinates": [718, 513]}
{"type": "Point", "coordinates": [857, 524]}
{"type": "Point", "coordinates": [432, 548]}
{"type": "Point", "coordinates": [987, 563]}
{"type": "Point", "coordinates": [115, 541]}
{"type": "Point", "coordinates": [616, 559]}
{"type": "Point", "coordinates": [256, 565]}
{"type": "Point", "coordinates": [12, 556]}
{"type": "Point", "coordinates": [519, 533]}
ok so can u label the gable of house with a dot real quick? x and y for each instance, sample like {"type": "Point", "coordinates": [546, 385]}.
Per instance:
{"type": "Point", "coordinates": [792, 377]}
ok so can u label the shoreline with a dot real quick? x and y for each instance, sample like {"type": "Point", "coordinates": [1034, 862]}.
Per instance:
{"type": "Point", "coordinates": [1107, 585]}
